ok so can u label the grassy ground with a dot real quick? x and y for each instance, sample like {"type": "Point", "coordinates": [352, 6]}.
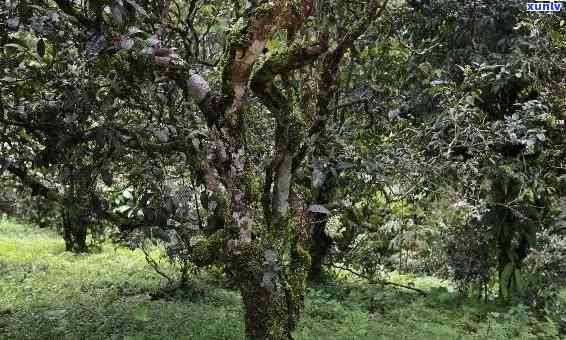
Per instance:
{"type": "Point", "coordinates": [46, 293]}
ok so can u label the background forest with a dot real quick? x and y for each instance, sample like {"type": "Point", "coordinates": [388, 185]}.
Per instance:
{"type": "Point", "coordinates": [284, 169]}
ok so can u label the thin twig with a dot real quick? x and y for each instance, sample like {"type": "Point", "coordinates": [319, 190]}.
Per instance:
{"type": "Point", "coordinates": [382, 282]}
{"type": "Point", "coordinates": [200, 224]}
{"type": "Point", "coordinates": [152, 263]}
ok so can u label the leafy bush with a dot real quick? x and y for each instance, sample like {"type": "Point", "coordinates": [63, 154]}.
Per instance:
{"type": "Point", "coordinates": [546, 266]}
{"type": "Point", "coordinates": [468, 256]}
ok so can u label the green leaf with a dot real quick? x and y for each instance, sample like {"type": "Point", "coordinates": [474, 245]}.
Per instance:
{"type": "Point", "coordinates": [127, 194]}
{"type": "Point", "coordinates": [123, 208]}
{"type": "Point", "coordinates": [139, 9]}
{"type": "Point", "coordinates": [208, 9]}
{"type": "Point", "coordinates": [41, 47]}
{"type": "Point", "coordinates": [16, 46]}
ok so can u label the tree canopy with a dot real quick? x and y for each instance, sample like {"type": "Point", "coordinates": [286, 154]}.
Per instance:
{"type": "Point", "coordinates": [277, 140]}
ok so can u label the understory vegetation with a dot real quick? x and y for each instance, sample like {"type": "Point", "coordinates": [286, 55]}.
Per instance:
{"type": "Point", "coordinates": [47, 293]}
{"type": "Point", "coordinates": [282, 169]}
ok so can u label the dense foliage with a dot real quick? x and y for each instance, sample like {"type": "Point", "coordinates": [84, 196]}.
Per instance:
{"type": "Point", "coordinates": [282, 143]}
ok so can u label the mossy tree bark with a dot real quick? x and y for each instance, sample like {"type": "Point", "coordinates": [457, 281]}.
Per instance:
{"type": "Point", "coordinates": [264, 253]}
{"type": "Point", "coordinates": [273, 297]}
{"type": "Point", "coordinates": [272, 270]}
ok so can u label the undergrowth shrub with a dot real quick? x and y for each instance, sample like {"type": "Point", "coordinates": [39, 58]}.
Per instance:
{"type": "Point", "coordinates": [546, 268]}
{"type": "Point", "coordinates": [468, 257]}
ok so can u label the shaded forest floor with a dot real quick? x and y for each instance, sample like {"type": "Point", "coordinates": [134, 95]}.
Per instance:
{"type": "Point", "coordinates": [46, 293]}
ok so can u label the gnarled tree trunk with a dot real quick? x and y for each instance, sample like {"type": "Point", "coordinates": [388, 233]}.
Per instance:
{"type": "Point", "coordinates": [268, 262]}
{"type": "Point", "coordinates": [273, 298]}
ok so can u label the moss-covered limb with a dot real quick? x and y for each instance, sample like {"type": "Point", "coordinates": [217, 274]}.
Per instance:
{"type": "Point", "coordinates": [37, 188]}
{"type": "Point", "coordinates": [247, 41]}
{"type": "Point", "coordinates": [282, 186]}
{"type": "Point", "coordinates": [297, 273]}
{"type": "Point", "coordinates": [212, 249]}
{"type": "Point", "coordinates": [263, 84]}
{"type": "Point", "coordinates": [330, 66]}
{"type": "Point", "coordinates": [245, 44]}
{"type": "Point", "coordinates": [329, 75]}
{"type": "Point", "coordinates": [282, 63]}
{"type": "Point", "coordinates": [299, 54]}
{"type": "Point", "coordinates": [67, 7]}
{"type": "Point", "coordinates": [375, 9]}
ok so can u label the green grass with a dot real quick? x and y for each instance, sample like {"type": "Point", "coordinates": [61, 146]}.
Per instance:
{"type": "Point", "coordinates": [47, 293]}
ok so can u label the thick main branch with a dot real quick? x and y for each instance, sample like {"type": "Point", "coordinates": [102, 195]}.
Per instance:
{"type": "Point", "coordinates": [329, 74]}
{"type": "Point", "coordinates": [264, 86]}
